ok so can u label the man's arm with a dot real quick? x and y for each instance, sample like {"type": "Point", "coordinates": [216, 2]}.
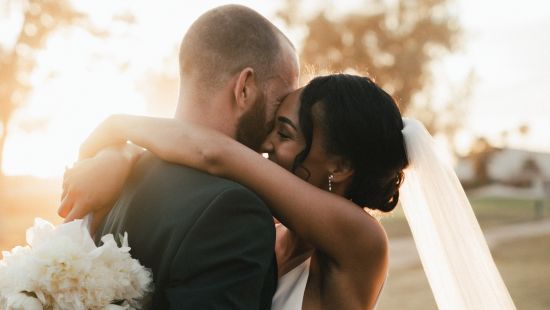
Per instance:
{"type": "Point", "coordinates": [226, 257]}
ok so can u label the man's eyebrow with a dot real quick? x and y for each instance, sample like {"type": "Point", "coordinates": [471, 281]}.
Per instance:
{"type": "Point", "coordinates": [287, 121]}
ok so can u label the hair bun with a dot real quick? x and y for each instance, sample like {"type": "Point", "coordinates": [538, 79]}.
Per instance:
{"type": "Point", "coordinates": [388, 195]}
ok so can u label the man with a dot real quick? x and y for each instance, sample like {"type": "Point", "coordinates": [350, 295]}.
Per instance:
{"type": "Point", "coordinates": [209, 241]}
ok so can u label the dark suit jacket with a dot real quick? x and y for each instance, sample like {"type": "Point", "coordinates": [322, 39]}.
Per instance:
{"type": "Point", "coordinates": [209, 241]}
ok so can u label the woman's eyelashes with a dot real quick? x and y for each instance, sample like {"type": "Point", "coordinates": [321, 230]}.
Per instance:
{"type": "Point", "coordinates": [284, 131]}
{"type": "Point", "coordinates": [283, 136]}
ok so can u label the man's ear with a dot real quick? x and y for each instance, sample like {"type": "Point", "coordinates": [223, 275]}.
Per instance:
{"type": "Point", "coordinates": [246, 89]}
{"type": "Point", "coordinates": [340, 168]}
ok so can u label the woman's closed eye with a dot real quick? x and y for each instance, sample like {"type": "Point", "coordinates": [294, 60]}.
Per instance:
{"type": "Point", "coordinates": [282, 135]}
{"type": "Point", "coordinates": [285, 128]}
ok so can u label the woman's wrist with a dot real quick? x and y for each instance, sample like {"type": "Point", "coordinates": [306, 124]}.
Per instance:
{"type": "Point", "coordinates": [128, 152]}
{"type": "Point", "coordinates": [131, 152]}
{"type": "Point", "coordinates": [107, 135]}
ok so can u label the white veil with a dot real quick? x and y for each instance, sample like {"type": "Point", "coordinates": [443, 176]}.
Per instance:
{"type": "Point", "coordinates": [455, 256]}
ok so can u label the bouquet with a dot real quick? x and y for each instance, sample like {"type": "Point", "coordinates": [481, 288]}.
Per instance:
{"type": "Point", "coordinates": [62, 268]}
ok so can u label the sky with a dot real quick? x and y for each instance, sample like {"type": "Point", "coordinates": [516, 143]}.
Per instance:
{"type": "Point", "coordinates": [78, 81]}
{"type": "Point", "coordinates": [508, 46]}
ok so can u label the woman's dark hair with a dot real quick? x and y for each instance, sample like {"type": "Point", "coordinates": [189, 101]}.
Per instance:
{"type": "Point", "coordinates": [362, 124]}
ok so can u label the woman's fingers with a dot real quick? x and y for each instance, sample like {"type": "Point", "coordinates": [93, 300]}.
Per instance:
{"type": "Point", "coordinates": [66, 184]}
{"type": "Point", "coordinates": [77, 211]}
{"type": "Point", "coordinates": [66, 205]}
{"type": "Point", "coordinates": [85, 150]}
{"type": "Point", "coordinates": [73, 207]}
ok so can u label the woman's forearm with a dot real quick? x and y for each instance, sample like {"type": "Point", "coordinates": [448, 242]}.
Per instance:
{"type": "Point", "coordinates": [304, 208]}
{"type": "Point", "coordinates": [176, 141]}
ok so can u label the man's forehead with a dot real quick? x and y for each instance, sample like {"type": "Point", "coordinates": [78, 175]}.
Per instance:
{"type": "Point", "coordinates": [289, 71]}
{"type": "Point", "coordinates": [281, 85]}
{"type": "Point", "coordinates": [288, 83]}
{"type": "Point", "coordinates": [287, 78]}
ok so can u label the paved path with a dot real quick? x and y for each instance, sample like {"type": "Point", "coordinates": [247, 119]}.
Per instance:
{"type": "Point", "coordinates": [403, 252]}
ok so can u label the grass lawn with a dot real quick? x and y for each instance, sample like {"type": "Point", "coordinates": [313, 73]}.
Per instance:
{"type": "Point", "coordinates": [490, 212]}
{"type": "Point", "coordinates": [495, 212]}
{"type": "Point", "coordinates": [523, 264]}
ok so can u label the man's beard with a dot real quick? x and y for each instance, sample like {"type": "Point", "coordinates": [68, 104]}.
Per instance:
{"type": "Point", "coordinates": [252, 128]}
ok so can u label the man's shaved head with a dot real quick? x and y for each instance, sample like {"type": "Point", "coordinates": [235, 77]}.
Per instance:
{"type": "Point", "coordinates": [235, 68]}
{"type": "Point", "coordinates": [227, 39]}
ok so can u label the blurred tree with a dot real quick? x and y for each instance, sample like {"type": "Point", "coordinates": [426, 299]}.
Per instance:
{"type": "Point", "coordinates": [40, 19]}
{"type": "Point", "coordinates": [481, 153]}
{"type": "Point", "coordinates": [531, 168]}
{"type": "Point", "coordinates": [524, 130]}
{"type": "Point", "coordinates": [393, 41]}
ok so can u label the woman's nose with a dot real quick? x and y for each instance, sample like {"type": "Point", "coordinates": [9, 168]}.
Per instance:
{"type": "Point", "coordinates": [267, 145]}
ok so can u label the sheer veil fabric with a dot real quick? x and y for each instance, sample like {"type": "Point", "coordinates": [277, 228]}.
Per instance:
{"type": "Point", "coordinates": [453, 251]}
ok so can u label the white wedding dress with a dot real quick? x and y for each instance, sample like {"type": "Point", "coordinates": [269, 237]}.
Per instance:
{"type": "Point", "coordinates": [291, 288]}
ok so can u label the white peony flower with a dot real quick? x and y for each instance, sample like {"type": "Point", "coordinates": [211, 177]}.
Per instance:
{"type": "Point", "coordinates": [21, 301]}
{"type": "Point", "coordinates": [64, 269]}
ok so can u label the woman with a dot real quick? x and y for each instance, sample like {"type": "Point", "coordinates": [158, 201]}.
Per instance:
{"type": "Point", "coordinates": [343, 135]}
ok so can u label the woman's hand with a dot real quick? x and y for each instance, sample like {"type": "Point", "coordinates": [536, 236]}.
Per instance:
{"type": "Point", "coordinates": [93, 185]}
{"type": "Point", "coordinates": [105, 135]}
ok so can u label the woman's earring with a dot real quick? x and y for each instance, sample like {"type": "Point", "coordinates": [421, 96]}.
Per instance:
{"type": "Point", "coordinates": [330, 178]}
